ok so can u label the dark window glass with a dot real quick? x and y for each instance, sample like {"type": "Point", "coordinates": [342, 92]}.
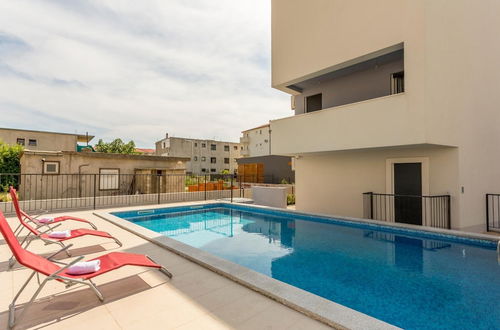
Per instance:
{"type": "Point", "coordinates": [314, 103]}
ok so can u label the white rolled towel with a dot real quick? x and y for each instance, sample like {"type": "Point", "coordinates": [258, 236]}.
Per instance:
{"type": "Point", "coordinates": [60, 234]}
{"type": "Point", "coordinates": [84, 267]}
{"type": "Point", "coordinates": [46, 220]}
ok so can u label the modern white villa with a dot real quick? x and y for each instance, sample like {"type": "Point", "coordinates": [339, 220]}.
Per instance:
{"type": "Point", "coordinates": [390, 97]}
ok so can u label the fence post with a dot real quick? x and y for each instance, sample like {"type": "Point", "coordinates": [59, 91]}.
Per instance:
{"type": "Point", "coordinates": [205, 187]}
{"type": "Point", "coordinates": [158, 180]}
{"type": "Point", "coordinates": [487, 213]}
{"type": "Point", "coordinates": [371, 204]}
{"type": "Point", "coordinates": [95, 189]}
{"type": "Point", "coordinates": [449, 211]}
{"type": "Point", "coordinates": [232, 188]}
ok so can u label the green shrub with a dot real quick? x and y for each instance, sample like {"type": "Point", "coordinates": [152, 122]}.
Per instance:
{"type": "Point", "coordinates": [290, 199]}
{"type": "Point", "coordinates": [10, 156]}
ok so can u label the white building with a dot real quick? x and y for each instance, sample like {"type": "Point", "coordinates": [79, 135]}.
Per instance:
{"type": "Point", "coordinates": [207, 156]}
{"type": "Point", "coordinates": [390, 96]}
{"type": "Point", "coordinates": [256, 141]}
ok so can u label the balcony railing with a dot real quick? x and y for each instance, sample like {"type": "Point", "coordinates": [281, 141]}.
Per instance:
{"type": "Point", "coordinates": [244, 139]}
{"type": "Point", "coordinates": [493, 212]}
{"type": "Point", "coordinates": [431, 211]}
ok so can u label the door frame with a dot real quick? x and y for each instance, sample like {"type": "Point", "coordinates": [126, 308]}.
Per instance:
{"type": "Point", "coordinates": [389, 179]}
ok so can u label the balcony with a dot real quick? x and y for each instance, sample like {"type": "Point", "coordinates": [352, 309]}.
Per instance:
{"type": "Point", "coordinates": [381, 122]}
{"type": "Point", "coordinates": [244, 140]}
{"type": "Point", "coordinates": [245, 152]}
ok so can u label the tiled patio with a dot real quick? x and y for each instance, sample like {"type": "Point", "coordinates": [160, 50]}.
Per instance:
{"type": "Point", "coordinates": [139, 298]}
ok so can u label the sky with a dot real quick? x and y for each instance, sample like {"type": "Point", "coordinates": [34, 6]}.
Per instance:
{"type": "Point", "coordinates": [138, 69]}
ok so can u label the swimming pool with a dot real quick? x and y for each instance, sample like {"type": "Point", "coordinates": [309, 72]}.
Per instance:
{"type": "Point", "coordinates": [409, 278]}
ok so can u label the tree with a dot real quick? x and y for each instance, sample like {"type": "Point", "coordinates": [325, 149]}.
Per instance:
{"type": "Point", "coordinates": [10, 156]}
{"type": "Point", "coordinates": [117, 146]}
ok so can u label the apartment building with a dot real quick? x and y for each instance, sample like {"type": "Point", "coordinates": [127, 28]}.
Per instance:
{"type": "Point", "coordinates": [257, 163]}
{"type": "Point", "coordinates": [207, 156]}
{"type": "Point", "coordinates": [256, 141]}
{"type": "Point", "coordinates": [42, 140]}
{"type": "Point", "coordinates": [392, 96]}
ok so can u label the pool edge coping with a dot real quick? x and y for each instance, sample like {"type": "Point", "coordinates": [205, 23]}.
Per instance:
{"type": "Point", "coordinates": [314, 306]}
{"type": "Point", "coordinates": [326, 311]}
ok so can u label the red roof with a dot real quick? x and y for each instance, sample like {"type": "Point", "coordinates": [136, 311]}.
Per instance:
{"type": "Point", "coordinates": [145, 151]}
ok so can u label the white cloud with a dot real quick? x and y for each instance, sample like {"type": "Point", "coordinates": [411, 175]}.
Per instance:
{"type": "Point", "coordinates": [137, 69]}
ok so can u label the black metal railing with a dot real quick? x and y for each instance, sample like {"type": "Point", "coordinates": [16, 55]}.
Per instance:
{"type": "Point", "coordinates": [80, 191]}
{"type": "Point", "coordinates": [492, 212]}
{"type": "Point", "coordinates": [91, 191]}
{"type": "Point", "coordinates": [432, 211]}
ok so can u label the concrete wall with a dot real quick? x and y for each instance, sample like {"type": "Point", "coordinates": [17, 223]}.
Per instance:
{"type": "Point", "coordinates": [46, 141]}
{"type": "Point", "coordinates": [137, 175]}
{"type": "Point", "coordinates": [353, 87]}
{"type": "Point", "coordinates": [334, 183]}
{"type": "Point", "coordinates": [191, 148]}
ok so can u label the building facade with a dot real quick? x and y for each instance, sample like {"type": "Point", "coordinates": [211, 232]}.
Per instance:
{"type": "Point", "coordinates": [257, 163]}
{"type": "Point", "coordinates": [206, 156]}
{"type": "Point", "coordinates": [43, 141]}
{"type": "Point", "coordinates": [391, 96]}
{"type": "Point", "coordinates": [70, 174]}
{"type": "Point", "coordinates": [256, 141]}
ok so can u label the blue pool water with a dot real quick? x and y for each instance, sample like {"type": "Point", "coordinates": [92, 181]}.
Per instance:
{"type": "Point", "coordinates": [408, 278]}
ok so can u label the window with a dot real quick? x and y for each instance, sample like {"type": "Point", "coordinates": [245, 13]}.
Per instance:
{"type": "Point", "coordinates": [260, 132]}
{"type": "Point", "coordinates": [196, 144]}
{"type": "Point", "coordinates": [203, 145]}
{"type": "Point", "coordinates": [50, 167]}
{"type": "Point", "coordinates": [226, 160]}
{"type": "Point", "coordinates": [266, 140]}
{"type": "Point", "coordinates": [213, 160]}
{"type": "Point", "coordinates": [109, 179]}
{"type": "Point", "coordinates": [20, 141]}
{"type": "Point", "coordinates": [195, 158]}
{"type": "Point", "coordinates": [203, 170]}
{"type": "Point", "coordinates": [241, 148]}
{"type": "Point", "coordinates": [32, 142]}
{"type": "Point", "coordinates": [235, 147]}
{"type": "Point", "coordinates": [203, 158]}
{"type": "Point", "coordinates": [314, 103]}
{"type": "Point", "coordinates": [398, 82]}
{"type": "Point", "coordinates": [213, 147]}
{"type": "Point", "coordinates": [212, 170]}
{"type": "Point", "coordinates": [226, 148]}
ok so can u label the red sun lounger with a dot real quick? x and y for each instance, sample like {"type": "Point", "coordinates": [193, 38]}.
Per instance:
{"type": "Point", "coordinates": [54, 271]}
{"type": "Point", "coordinates": [21, 214]}
{"type": "Point", "coordinates": [34, 233]}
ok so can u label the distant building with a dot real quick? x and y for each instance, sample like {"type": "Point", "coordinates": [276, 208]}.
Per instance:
{"type": "Point", "coordinates": [257, 163]}
{"type": "Point", "coordinates": [256, 141]}
{"type": "Point", "coordinates": [43, 141]}
{"type": "Point", "coordinates": [145, 151]}
{"type": "Point", "coordinates": [206, 156]}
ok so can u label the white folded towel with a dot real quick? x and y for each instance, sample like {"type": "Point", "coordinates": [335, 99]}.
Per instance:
{"type": "Point", "coordinates": [60, 234]}
{"type": "Point", "coordinates": [84, 267]}
{"type": "Point", "coordinates": [46, 220]}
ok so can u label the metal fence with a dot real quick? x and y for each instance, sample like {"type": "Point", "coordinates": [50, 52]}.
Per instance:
{"type": "Point", "coordinates": [432, 211]}
{"type": "Point", "coordinates": [268, 179]}
{"type": "Point", "coordinates": [87, 191]}
{"type": "Point", "coordinates": [492, 212]}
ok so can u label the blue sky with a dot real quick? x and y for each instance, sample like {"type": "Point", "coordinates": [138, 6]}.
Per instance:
{"type": "Point", "coordinates": [137, 69]}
